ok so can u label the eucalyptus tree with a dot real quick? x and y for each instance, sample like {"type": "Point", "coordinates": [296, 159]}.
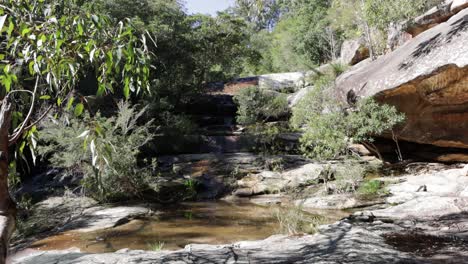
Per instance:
{"type": "Point", "coordinates": [261, 14]}
{"type": "Point", "coordinates": [46, 48]}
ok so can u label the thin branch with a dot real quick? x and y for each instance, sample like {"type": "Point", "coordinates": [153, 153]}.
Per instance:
{"type": "Point", "coordinates": [373, 148]}
{"type": "Point", "coordinates": [7, 8]}
{"type": "Point", "coordinates": [395, 138]}
{"type": "Point", "coordinates": [39, 119]}
{"type": "Point", "coordinates": [19, 131]}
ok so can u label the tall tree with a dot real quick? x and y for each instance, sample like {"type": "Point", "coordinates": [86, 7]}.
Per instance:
{"type": "Point", "coordinates": [261, 14]}
{"type": "Point", "coordinates": [46, 48]}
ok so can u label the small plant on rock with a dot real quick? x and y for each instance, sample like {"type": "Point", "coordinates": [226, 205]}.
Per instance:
{"type": "Point", "coordinates": [158, 246]}
{"type": "Point", "coordinates": [371, 189]}
{"type": "Point", "coordinates": [294, 220]}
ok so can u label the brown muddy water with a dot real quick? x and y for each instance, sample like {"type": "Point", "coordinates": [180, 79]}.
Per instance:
{"type": "Point", "coordinates": [175, 227]}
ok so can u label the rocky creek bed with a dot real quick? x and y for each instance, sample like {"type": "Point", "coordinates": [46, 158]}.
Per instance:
{"type": "Point", "coordinates": [424, 219]}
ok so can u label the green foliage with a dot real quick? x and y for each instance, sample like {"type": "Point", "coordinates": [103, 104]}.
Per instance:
{"type": "Point", "coordinates": [258, 105]}
{"type": "Point", "coordinates": [284, 53]}
{"type": "Point", "coordinates": [189, 52]}
{"type": "Point", "coordinates": [317, 100]}
{"type": "Point", "coordinates": [325, 136]}
{"type": "Point", "coordinates": [47, 48]}
{"type": "Point", "coordinates": [348, 177]}
{"type": "Point", "coordinates": [59, 49]}
{"type": "Point", "coordinates": [158, 246]}
{"type": "Point", "coordinates": [190, 189]}
{"type": "Point", "coordinates": [219, 46]}
{"type": "Point", "coordinates": [355, 18]}
{"type": "Point", "coordinates": [381, 13]}
{"type": "Point", "coordinates": [371, 189]}
{"type": "Point", "coordinates": [311, 31]}
{"type": "Point", "coordinates": [371, 118]}
{"type": "Point", "coordinates": [329, 128]}
{"type": "Point", "coordinates": [261, 14]}
{"type": "Point", "coordinates": [339, 68]}
{"type": "Point", "coordinates": [105, 150]}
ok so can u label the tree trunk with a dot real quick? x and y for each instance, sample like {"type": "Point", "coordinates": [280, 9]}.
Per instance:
{"type": "Point", "coordinates": [368, 33]}
{"type": "Point", "coordinates": [7, 206]}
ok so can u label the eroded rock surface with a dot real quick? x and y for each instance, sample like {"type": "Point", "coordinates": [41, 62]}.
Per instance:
{"type": "Point", "coordinates": [339, 243]}
{"type": "Point", "coordinates": [354, 51]}
{"type": "Point", "coordinates": [427, 79]}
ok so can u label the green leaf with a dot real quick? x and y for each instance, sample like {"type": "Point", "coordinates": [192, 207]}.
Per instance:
{"type": "Point", "coordinates": [126, 90]}
{"type": "Point", "coordinates": [101, 89]}
{"type": "Point", "coordinates": [79, 109]}
{"type": "Point", "coordinates": [25, 31]}
{"type": "Point", "coordinates": [21, 148]}
{"type": "Point", "coordinates": [70, 103]}
{"type": "Point", "coordinates": [45, 97]}
{"type": "Point", "coordinates": [31, 67]}
{"type": "Point", "coordinates": [11, 27]}
{"type": "Point", "coordinates": [80, 29]}
{"type": "Point", "coordinates": [7, 83]}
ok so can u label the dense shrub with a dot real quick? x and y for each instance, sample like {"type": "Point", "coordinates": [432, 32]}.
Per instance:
{"type": "Point", "coordinates": [103, 149]}
{"type": "Point", "coordinates": [329, 127]}
{"type": "Point", "coordinates": [257, 106]}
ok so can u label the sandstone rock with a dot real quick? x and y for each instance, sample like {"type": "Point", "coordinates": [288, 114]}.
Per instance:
{"type": "Point", "coordinates": [428, 194]}
{"type": "Point", "coordinates": [335, 201]}
{"type": "Point", "coordinates": [458, 5]}
{"type": "Point", "coordinates": [426, 208]}
{"type": "Point", "coordinates": [444, 183]}
{"type": "Point", "coordinates": [295, 98]}
{"type": "Point", "coordinates": [397, 36]}
{"type": "Point", "coordinates": [359, 149]}
{"type": "Point", "coordinates": [275, 182]}
{"type": "Point", "coordinates": [427, 79]}
{"type": "Point", "coordinates": [82, 214]}
{"type": "Point", "coordinates": [435, 16]}
{"type": "Point", "coordinates": [283, 81]}
{"type": "Point", "coordinates": [354, 51]}
{"type": "Point", "coordinates": [338, 243]}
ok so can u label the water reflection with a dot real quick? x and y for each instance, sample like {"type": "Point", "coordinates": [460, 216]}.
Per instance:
{"type": "Point", "coordinates": [175, 227]}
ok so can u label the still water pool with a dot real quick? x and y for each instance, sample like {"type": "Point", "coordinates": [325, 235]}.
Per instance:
{"type": "Point", "coordinates": [174, 227]}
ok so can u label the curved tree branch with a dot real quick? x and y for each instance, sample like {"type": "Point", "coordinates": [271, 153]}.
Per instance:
{"type": "Point", "coordinates": [39, 119]}
{"type": "Point", "coordinates": [18, 132]}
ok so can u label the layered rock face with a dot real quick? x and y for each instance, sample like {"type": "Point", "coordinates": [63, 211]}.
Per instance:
{"type": "Point", "coordinates": [435, 16]}
{"type": "Point", "coordinates": [427, 79]}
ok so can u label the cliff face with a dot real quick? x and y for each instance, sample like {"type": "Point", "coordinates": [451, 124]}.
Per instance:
{"type": "Point", "coordinates": [427, 79]}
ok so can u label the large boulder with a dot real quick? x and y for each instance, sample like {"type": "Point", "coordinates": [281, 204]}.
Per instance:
{"type": "Point", "coordinates": [283, 81]}
{"type": "Point", "coordinates": [435, 16]}
{"type": "Point", "coordinates": [397, 36]}
{"type": "Point", "coordinates": [354, 51]}
{"type": "Point", "coordinates": [275, 181]}
{"type": "Point", "coordinates": [427, 79]}
{"type": "Point", "coordinates": [457, 5]}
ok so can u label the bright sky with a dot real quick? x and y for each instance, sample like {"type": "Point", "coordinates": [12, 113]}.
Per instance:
{"type": "Point", "coordinates": [207, 6]}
